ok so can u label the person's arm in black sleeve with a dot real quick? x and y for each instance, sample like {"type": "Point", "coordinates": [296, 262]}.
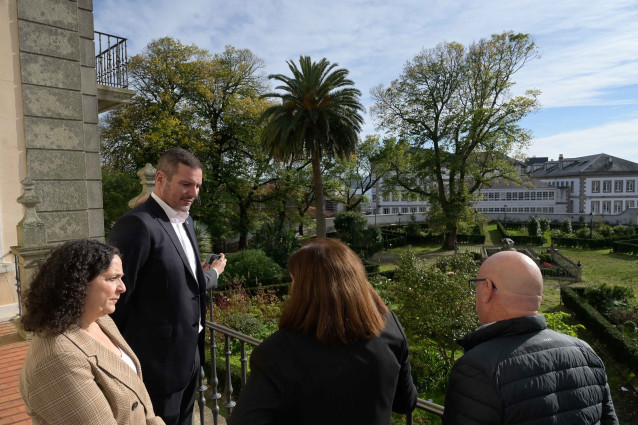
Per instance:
{"type": "Point", "coordinates": [405, 395]}
{"type": "Point", "coordinates": [470, 398]}
{"type": "Point", "coordinates": [131, 236]}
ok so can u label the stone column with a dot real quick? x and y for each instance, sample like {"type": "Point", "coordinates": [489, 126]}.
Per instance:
{"type": "Point", "coordinates": [147, 180]}
{"type": "Point", "coordinates": [32, 244]}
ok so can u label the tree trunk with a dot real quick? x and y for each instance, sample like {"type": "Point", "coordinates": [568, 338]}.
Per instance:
{"type": "Point", "coordinates": [450, 237]}
{"type": "Point", "coordinates": [301, 215]}
{"type": "Point", "coordinates": [243, 227]}
{"type": "Point", "coordinates": [320, 207]}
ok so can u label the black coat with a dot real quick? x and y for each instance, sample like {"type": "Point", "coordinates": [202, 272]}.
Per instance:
{"type": "Point", "coordinates": [296, 380]}
{"type": "Point", "coordinates": [519, 372]}
{"type": "Point", "coordinates": [160, 312]}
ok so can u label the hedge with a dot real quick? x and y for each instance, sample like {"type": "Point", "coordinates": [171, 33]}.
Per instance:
{"type": "Point", "coordinates": [626, 247]}
{"type": "Point", "coordinates": [582, 242]}
{"type": "Point", "coordinates": [522, 239]}
{"type": "Point", "coordinates": [473, 239]}
{"type": "Point", "coordinates": [626, 351]}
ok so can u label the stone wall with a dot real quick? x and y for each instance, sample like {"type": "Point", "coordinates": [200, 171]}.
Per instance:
{"type": "Point", "coordinates": [59, 93]}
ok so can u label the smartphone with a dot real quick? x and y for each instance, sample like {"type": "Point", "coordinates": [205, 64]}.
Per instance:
{"type": "Point", "coordinates": [211, 257]}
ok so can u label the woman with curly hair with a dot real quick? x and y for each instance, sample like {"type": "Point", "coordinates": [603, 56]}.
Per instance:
{"type": "Point", "coordinates": [339, 356]}
{"type": "Point", "coordinates": [79, 370]}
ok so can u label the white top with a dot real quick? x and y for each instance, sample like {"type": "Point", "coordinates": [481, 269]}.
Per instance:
{"type": "Point", "coordinates": [129, 361]}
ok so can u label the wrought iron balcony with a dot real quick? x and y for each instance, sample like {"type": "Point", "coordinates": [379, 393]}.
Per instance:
{"type": "Point", "coordinates": [215, 396]}
{"type": "Point", "coordinates": [111, 66]}
{"type": "Point", "coordinates": [111, 60]}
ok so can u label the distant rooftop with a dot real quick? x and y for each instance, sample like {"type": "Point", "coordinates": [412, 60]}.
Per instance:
{"type": "Point", "coordinates": [593, 164]}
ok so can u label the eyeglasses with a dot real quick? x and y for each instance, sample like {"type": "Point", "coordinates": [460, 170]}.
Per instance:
{"type": "Point", "coordinates": [472, 283]}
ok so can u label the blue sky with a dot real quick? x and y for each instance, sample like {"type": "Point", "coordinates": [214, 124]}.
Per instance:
{"type": "Point", "coordinates": [587, 72]}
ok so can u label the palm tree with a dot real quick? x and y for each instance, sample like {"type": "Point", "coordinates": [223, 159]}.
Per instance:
{"type": "Point", "coordinates": [318, 116]}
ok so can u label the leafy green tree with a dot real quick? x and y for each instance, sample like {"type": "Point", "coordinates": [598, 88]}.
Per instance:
{"type": "Point", "coordinates": [118, 188]}
{"type": "Point", "coordinates": [456, 121]}
{"type": "Point", "coordinates": [434, 303]}
{"type": "Point", "coordinates": [534, 227]}
{"type": "Point", "coordinates": [160, 115]}
{"type": "Point", "coordinates": [318, 116]}
{"type": "Point", "coordinates": [278, 243]}
{"type": "Point", "coordinates": [349, 179]}
{"type": "Point", "coordinates": [351, 227]}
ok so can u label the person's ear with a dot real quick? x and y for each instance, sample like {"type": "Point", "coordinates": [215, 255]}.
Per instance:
{"type": "Point", "coordinates": [489, 292]}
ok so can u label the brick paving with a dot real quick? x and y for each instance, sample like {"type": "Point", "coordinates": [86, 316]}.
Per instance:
{"type": "Point", "coordinates": [13, 351]}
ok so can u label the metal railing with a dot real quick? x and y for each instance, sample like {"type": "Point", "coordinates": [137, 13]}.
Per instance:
{"type": "Point", "coordinates": [18, 284]}
{"type": "Point", "coordinates": [228, 390]}
{"type": "Point", "coordinates": [111, 60]}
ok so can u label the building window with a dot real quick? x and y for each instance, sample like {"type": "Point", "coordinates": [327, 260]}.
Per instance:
{"type": "Point", "coordinates": [527, 196]}
{"type": "Point", "coordinates": [395, 210]}
{"type": "Point", "coordinates": [595, 186]}
{"type": "Point", "coordinates": [631, 185]}
{"type": "Point", "coordinates": [551, 196]}
{"type": "Point", "coordinates": [617, 207]}
{"type": "Point", "coordinates": [606, 185]}
{"type": "Point", "coordinates": [386, 211]}
{"type": "Point", "coordinates": [551, 210]}
{"type": "Point", "coordinates": [595, 207]}
{"type": "Point", "coordinates": [606, 207]}
{"type": "Point", "coordinates": [571, 184]}
{"type": "Point", "coordinates": [629, 204]}
{"type": "Point", "coordinates": [413, 209]}
{"type": "Point", "coordinates": [618, 185]}
{"type": "Point", "coordinates": [508, 196]}
{"type": "Point", "coordinates": [404, 210]}
{"type": "Point", "coordinates": [374, 197]}
{"type": "Point", "coordinates": [421, 209]}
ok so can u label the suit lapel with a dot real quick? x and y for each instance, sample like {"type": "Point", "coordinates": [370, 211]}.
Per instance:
{"type": "Point", "coordinates": [166, 224]}
{"type": "Point", "coordinates": [105, 359]}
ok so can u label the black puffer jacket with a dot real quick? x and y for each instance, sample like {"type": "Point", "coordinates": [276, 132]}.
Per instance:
{"type": "Point", "coordinates": [519, 372]}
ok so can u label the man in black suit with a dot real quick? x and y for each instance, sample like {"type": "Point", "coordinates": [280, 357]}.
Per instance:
{"type": "Point", "coordinates": [162, 313]}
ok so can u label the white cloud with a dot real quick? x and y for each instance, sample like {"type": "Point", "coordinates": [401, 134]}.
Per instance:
{"type": "Point", "coordinates": [618, 139]}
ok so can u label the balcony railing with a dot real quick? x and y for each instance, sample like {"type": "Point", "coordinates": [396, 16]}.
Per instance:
{"type": "Point", "coordinates": [215, 397]}
{"type": "Point", "coordinates": [111, 60]}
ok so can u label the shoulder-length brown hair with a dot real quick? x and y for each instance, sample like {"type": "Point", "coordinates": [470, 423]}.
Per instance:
{"type": "Point", "coordinates": [330, 295]}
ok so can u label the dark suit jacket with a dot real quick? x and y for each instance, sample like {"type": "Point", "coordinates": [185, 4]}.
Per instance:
{"type": "Point", "coordinates": [297, 380]}
{"type": "Point", "coordinates": [160, 312]}
{"type": "Point", "coordinates": [72, 379]}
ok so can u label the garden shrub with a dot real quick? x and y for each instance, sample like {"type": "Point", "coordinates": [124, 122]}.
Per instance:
{"type": "Point", "coordinates": [604, 297]}
{"type": "Point", "coordinates": [253, 267]}
{"type": "Point", "coordinates": [277, 243]}
{"type": "Point", "coordinates": [534, 227]}
{"type": "Point", "coordinates": [606, 231]}
{"type": "Point", "coordinates": [442, 299]}
{"type": "Point", "coordinates": [412, 228]}
{"type": "Point", "coordinates": [566, 226]}
{"type": "Point", "coordinates": [626, 351]}
{"type": "Point", "coordinates": [582, 233]}
{"type": "Point", "coordinates": [556, 321]}
{"type": "Point", "coordinates": [622, 315]}
{"type": "Point", "coordinates": [545, 224]}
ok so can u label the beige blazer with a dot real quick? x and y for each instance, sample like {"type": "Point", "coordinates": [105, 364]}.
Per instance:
{"type": "Point", "coordinates": [72, 379]}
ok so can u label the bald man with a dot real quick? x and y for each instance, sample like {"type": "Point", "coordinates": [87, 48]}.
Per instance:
{"type": "Point", "coordinates": [515, 370]}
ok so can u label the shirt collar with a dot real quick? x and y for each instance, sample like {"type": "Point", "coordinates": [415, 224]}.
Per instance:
{"type": "Point", "coordinates": [174, 216]}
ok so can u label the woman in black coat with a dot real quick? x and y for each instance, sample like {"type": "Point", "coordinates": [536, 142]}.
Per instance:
{"type": "Point", "coordinates": [339, 357]}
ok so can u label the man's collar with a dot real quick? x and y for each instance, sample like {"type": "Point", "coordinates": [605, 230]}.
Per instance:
{"type": "Point", "coordinates": [170, 212]}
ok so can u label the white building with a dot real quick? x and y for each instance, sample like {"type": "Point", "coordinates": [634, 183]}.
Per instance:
{"type": "Point", "coordinates": [568, 188]}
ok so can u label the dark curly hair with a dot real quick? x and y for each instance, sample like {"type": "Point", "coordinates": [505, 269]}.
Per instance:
{"type": "Point", "coordinates": [56, 296]}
